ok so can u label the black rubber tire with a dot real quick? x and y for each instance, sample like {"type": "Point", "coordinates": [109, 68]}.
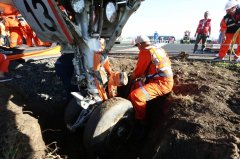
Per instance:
{"type": "Point", "coordinates": [102, 135]}
{"type": "Point", "coordinates": [72, 112]}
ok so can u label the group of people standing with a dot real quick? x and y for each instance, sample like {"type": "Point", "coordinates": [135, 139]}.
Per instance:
{"type": "Point", "coordinates": [229, 26]}
{"type": "Point", "coordinates": [15, 31]}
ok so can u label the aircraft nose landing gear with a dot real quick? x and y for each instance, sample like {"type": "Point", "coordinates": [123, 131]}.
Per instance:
{"type": "Point", "coordinates": [109, 127]}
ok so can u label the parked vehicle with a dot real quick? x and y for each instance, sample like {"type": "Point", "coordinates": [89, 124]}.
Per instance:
{"type": "Point", "coordinates": [166, 39]}
{"type": "Point", "coordinates": [186, 38]}
{"type": "Point", "coordinates": [163, 39]}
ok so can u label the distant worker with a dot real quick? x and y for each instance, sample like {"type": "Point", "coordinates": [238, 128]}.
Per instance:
{"type": "Point", "coordinates": [155, 66]}
{"type": "Point", "coordinates": [232, 23]}
{"type": "Point", "coordinates": [30, 35]}
{"type": "Point", "coordinates": [16, 36]}
{"type": "Point", "coordinates": [4, 63]}
{"type": "Point", "coordinates": [203, 32]}
{"type": "Point", "coordinates": [26, 31]}
{"type": "Point", "coordinates": [155, 37]}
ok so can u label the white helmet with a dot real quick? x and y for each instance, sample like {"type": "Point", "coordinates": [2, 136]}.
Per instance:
{"type": "Point", "coordinates": [230, 4]}
{"type": "Point", "coordinates": [141, 39]}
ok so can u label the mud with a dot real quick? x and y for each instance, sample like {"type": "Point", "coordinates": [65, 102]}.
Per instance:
{"type": "Point", "coordinates": [202, 121]}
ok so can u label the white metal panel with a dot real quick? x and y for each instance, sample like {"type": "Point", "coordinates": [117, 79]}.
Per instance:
{"type": "Point", "coordinates": [45, 19]}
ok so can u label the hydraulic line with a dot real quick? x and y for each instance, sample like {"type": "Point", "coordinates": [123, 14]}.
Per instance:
{"type": "Point", "coordinates": [232, 51]}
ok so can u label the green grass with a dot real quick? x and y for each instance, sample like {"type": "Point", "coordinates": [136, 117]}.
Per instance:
{"type": "Point", "coordinates": [228, 65]}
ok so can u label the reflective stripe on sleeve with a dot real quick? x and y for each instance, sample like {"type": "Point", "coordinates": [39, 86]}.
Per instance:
{"type": "Point", "coordinates": [230, 25]}
{"type": "Point", "coordinates": [161, 73]}
{"type": "Point", "coordinates": [165, 68]}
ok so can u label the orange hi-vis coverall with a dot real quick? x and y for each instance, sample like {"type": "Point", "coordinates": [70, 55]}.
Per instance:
{"type": "Point", "coordinates": [222, 30]}
{"type": "Point", "coordinates": [223, 26]}
{"type": "Point", "coordinates": [16, 37]}
{"type": "Point", "coordinates": [4, 63]}
{"type": "Point", "coordinates": [104, 74]}
{"type": "Point", "coordinates": [150, 61]}
{"type": "Point", "coordinates": [27, 33]}
{"type": "Point", "coordinates": [31, 36]}
{"type": "Point", "coordinates": [230, 26]}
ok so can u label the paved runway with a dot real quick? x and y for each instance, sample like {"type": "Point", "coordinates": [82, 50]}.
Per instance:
{"type": "Point", "coordinates": [172, 50]}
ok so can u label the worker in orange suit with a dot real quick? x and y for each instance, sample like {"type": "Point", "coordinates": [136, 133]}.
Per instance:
{"type": "Point", "coordinates": [203, 32]}
{"type": "Point", "coordinates": [104, 74]}
{"type": "Point", "coordinates": [222, 31]}
{"type": "Point", "coordinates": [26, 31]}
{"type": "Point", "coordinates": [230, 25]}
{"type": "Point", "coordinates": [4, 63]}
{"type": "Point", "coordinates": [30, 35]}
{"type": "Point", "coordinates": [154, 66]}
{"type": "Point", "coordinates": [16, 36]}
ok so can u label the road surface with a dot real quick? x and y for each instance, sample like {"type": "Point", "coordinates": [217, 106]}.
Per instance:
{"type": "Point", "coordinates": [125, 49]}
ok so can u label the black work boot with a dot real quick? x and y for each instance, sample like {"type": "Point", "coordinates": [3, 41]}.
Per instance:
{"type": "Point", "coordinates": [203, 49]}
{"type": "Point", "coordinates": [195, 48]}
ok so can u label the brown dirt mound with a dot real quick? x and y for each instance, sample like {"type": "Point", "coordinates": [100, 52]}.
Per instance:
{"type": "Point", "coordinates": [20, 133]}
{"type": "Point", "coordinates": [203, 119]}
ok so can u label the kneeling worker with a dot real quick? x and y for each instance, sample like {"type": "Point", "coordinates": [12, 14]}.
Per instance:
{"type": "Point", "coordinates": [155, 66]}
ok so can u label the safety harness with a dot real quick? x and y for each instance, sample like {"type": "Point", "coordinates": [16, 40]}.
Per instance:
{"type": "Point", "coordinates": [161, 63]}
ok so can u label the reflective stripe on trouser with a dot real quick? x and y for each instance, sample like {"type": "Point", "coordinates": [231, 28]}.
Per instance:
{"type": "Point", "coordinates": [139, 97]}
{"type": "Point", "coordinates": [4, 62]}
{"type": "Point", "coordinates": [227, 43]}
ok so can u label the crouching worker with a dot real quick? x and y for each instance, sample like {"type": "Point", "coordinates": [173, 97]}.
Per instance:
{"type": "Point", "coordinates": [104, 76]}
{"type": "Point", "coordinates": [154, 67]}
{"type": "Point", "coordinates": [4, 63]}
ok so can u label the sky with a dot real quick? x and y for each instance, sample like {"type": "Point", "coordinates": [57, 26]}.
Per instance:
{"type": "Point", "coordinates": [173, 17]}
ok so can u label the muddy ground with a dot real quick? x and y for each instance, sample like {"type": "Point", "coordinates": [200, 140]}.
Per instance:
{"type": "Point", "coordinates": [202, 122]}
